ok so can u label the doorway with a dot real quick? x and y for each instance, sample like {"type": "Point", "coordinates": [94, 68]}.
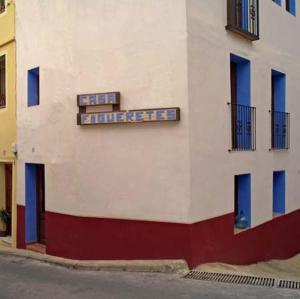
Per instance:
{"type": "Point", "coordinates": [35, 204]}
{"type": "Point", "coordinates": [8, 196]}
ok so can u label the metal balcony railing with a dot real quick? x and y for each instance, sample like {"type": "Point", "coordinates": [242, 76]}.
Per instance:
{"type": "Point", "coordinates": [2, 100]}
{"type": "Point", "coordinates": [280, 130]}
{"type": "Point", "coordinates": [243, 127]}
{"type": "Point", "coordinates": [243, 18]}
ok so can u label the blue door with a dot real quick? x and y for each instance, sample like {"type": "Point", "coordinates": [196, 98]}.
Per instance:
{"type": "Point", "coordinates": [30, 203]}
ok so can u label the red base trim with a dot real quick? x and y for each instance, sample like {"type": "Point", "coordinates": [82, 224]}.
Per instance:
{"type": "Point", "coordinates": [206, 241]}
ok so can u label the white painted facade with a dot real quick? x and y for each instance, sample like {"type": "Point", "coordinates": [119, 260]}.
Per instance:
{"type": "Point", "coordinates": [162, 53]}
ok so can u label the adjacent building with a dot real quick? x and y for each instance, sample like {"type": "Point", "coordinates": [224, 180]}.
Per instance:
{"type": "Point", "coordinates": [8, 127]}
{"type": "Point", "coordinates": [159, 129]}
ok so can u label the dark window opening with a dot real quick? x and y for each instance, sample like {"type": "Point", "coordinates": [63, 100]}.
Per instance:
{"type": "Point", "coordinates": [242, 201]}
{"type": "Point", "coordinates": [2, 6]}
{"type": "Point", "coordinates": [2, 82]}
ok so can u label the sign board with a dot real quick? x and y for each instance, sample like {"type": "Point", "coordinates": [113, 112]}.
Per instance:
{"type": "Point", "coordinates": [117, 116]}
{"type": "Point", "coordinates": [130, 116]}
{"type": "Point", "coordinates": [98, 99]}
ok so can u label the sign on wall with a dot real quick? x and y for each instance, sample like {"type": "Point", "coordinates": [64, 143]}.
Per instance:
{"type": "Point", "coordinates": [117, 116]}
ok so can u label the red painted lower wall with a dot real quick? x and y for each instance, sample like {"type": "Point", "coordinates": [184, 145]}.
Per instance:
{"type": "Point", "coordinates": [206, 241]}
{"type": "Point", "coordinates": [20, 226]}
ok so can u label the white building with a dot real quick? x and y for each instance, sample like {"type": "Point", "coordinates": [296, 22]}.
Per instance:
{"type": "Point", "coordinates": [208, 187]}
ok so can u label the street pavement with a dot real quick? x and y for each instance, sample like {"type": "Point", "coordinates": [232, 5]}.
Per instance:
{"type": "Point", "coordinates": [28, 279]}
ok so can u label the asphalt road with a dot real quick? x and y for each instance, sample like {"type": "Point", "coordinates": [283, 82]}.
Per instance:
{"type": "Point", "coordinates": [27, 279]}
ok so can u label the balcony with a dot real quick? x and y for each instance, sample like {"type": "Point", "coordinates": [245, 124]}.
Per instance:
{"type": "Point", "coordinates": [243, 18]}
{"type": "Point", "coordinates": [280, 130]}
{"type": "Point", "coordinates": [243, 127]}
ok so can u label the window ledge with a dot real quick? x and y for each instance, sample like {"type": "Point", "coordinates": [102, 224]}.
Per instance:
{"type": "Point", "coordinates": [278, 149]}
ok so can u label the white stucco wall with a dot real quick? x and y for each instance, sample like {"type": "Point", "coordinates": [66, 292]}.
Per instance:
{"type": "Point", "coordinates": [213, 167]}
{"type": "Point", "coordinates": [136, 171]}
{"type": "Point", "coordinates": [162, 53]}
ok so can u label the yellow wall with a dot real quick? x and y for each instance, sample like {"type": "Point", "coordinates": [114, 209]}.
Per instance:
{"type": "Point", "coordinates": [8, 115]}
{"type": "Point", "coordinates": [7, 23]}
{"type": "Point", "coordinates": [2, 192]}
{"type": "Point", "coordinates": [8, 124]}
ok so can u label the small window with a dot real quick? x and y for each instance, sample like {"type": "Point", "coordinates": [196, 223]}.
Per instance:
{"type": "Point", "coordinates": [2, 6]}
{"type": "Point", "coordinates": [278, 192]}
{"type": "Point", "coordinates": [290, 6]}
{"type": "Point", "coordinates": [242, 201]}
{"type": "Point", "coordinates": [33, 87]}
{"type": "Point", "coordinates": [277, 2]}
{"type": "Point", "coordinates": [2, 82]}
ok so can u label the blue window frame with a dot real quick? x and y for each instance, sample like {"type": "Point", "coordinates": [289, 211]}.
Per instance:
{"type": "Point", "coordinates": [33, 87]}
{"type": "Point", "coordinates": [279, 91]}
{"type": "Point", "coordinates": [242, 200]}
{"type": "Point", "coordinates": [290, 6]}
{"type": "Point", "coordinates": [243, 84]}
{"type": "Point", "coordinates": [280, 119]}
{"type": "Point", "coordinates": [243, 115]}
{"type": "Point", "coordinates": [277, 2]}
{"type": "Point", "coordinates": [279, 192]}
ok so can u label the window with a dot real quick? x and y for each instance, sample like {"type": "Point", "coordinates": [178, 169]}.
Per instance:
{"type": "Point", "coordinates": [279, 192]}
{"type": "Point", "coordinates": [279, 118]}
{"type": "Point", "coordinates": [33, 87]}
{"type": "Point", "coordinates": [2, 82]}
{"type": "Point", "coordinates": [290, 6]}
{"type": "Point", "coordinates": [242, 114]}
{"type": "Point", "coordinates": [277, 2]}
{"type": "Point", "coordinates": [2, 6]}
{"type": "Point", "coordinates": [243, 19]}
{"type": "Point", "coordinates": [242, 201]}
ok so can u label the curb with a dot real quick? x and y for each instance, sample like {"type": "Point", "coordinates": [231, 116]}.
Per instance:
{"type": "Point", "coordinates": [161, 266]}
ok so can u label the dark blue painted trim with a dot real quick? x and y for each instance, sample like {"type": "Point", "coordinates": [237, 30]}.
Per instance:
{"type": "Point", "coordinates": [292, 7]}
{"type": "Point", "coordinates": [243, 79]}
{"type": "Point", "coordinates": [243, 69]}
{"type": "Point", "coordinates": [30, 203]}
{"type": "Point", "coordinates": [244, 196]}
{"type": "Point", "coordinates": [279, 192]}
{"type": "Point", "coordinates": [279, 80]}
{"type": "Point", "coordinates": [277, 2]}
{"type": "Point", "coordinates": [245, 14]}
{"type": "Point", "coordinates": [33, 87]}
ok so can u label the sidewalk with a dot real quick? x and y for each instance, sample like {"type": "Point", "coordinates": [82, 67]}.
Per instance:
{"type": "Point", "coordinates": [163, 266]}
{"type": "Point", "coordinates": [281, 269]}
